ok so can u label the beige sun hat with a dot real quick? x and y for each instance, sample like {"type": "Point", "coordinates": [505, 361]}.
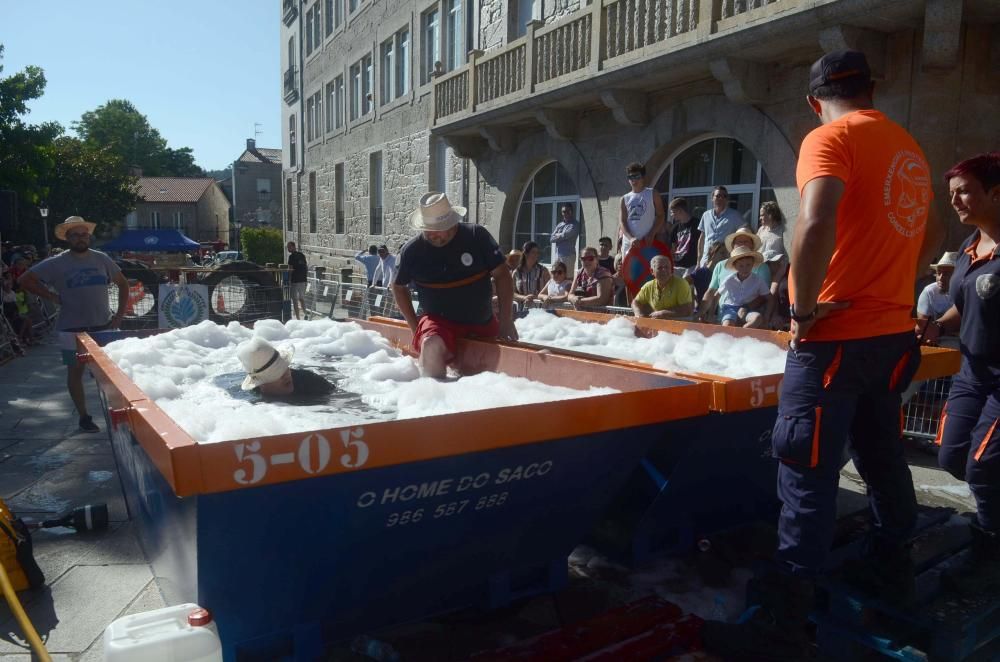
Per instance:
{"type": "Point", "coordinates": [743, 232]}
{"type": "Point", "coordinates": [436, 213]}
{"type": "Point", "coordinates": [947, 260]}
{"type": "Point", "coordinates": [72, 223]}
{"type": "Point", "coordinates": [743, 251]}
{"type": "Point", "coordinates": [264, 364]}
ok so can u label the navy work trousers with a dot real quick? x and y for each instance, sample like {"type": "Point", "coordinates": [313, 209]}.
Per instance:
{"type": "Point", "coordinates": [836, 393]}
{"type": "Point", "coordinates": [970, 438]}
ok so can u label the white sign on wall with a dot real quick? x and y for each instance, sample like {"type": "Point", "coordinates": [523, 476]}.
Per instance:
{"type": "Point", "coordinates": [182, 305]}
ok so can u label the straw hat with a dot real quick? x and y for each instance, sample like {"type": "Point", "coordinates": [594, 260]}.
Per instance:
{"type": "Point", "coordinates": [264, 364]}
{"type": "Point", "coordinates": [743, 251]}
{"type": "Point", "coordinates": [72, 223]}
{"type": "Point", "coordinates": [947, 260]}
{"type": "Point", "coordinates": [436, 213]}
{"type": "Point", "coordinates": [743, 232]}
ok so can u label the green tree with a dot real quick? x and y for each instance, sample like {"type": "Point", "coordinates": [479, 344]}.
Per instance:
{"type": "Point", "coordinates": [92, 182]}
{"type": "Point", "coordinates": [120, 126]}
{"type": "Point", "coordinates": [25, 149]}
{"type": "Point", "coordinates": [262, 245]}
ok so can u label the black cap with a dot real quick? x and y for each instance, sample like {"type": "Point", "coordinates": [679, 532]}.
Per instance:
{"type": "Point", "coordinates": [838, 66]}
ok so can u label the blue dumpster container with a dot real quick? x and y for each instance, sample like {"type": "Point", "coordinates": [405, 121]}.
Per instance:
{"type": "Point", "coordinates": [297, 540]}
{"type": "Point", "coordinates": [716, 472]}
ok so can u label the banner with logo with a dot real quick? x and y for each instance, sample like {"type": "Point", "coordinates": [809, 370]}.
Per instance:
{"type": "Point", "coordinates": [182, 305]}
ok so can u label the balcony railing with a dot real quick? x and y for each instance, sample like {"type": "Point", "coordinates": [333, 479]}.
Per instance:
{"type": "Point", "coordinates": [291, 85]}
{"type": "Point", "coordinates": [605, 35]}
{"type": "Point", "coordinates": [289, 11]}
{"type": "Point", "coordinates": [263, 196]}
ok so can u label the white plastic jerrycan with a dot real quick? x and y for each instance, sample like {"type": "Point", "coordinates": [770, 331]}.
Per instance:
{"type": "Point", "coordinates": [184, 633]}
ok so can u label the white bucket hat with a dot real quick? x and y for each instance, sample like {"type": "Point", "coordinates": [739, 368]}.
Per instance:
{"type": "Point", "coordinates": [743, 251]}
{"type": "Point", "coordinates": [436, 213]}
{"type": "Point", "coordinates": [947, 260]}
{"type": "Point", "coordinates": [264, 364]}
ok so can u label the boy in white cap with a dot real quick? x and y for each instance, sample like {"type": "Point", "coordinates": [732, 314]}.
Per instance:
{"type": "Point", "coordinates": [269, 372]}
{"type": "Point", "coordinates": [450, 264]}
{"type": "Point", "coordinates": [934, 300]}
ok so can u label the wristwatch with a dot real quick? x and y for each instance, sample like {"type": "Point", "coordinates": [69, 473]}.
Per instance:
{"type": "Point", "coordinates": [802, 318]}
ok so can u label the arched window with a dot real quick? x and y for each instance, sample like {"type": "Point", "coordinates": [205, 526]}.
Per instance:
{"type": "Point", "coordinates": [538, 213]}
{"type": "Point", "coordinates": [699, 168]}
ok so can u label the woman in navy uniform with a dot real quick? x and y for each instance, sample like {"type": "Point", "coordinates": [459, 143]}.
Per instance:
{"type": "Point", "coordinates": [969, 433]}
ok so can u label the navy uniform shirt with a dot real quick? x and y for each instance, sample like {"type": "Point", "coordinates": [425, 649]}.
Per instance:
{"type": "Point", "coordinates": [452, 281]}
{"type": "Point", "coordinates": [975, 290]}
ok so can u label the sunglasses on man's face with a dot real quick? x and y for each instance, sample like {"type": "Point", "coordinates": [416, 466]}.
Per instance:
{"type": "Point", "coordinates": [77, 235]}
{"type": "Point", "coordinates": [634, 177]}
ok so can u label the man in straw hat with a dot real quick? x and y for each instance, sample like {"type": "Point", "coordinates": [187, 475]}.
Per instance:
{"type": "Point", "coordinates": [450, 264]}
{"type": "Point", "coordinates": [269, 372]}
{"type": "Point", "coordinates": [934, 300]}
{"type": "Point", "coordinates": [860, 234]}
{"type": "Point", "coordinates": [78, 281]}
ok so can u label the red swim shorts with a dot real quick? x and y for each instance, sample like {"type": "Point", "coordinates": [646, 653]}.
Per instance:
{"type": "Point", "coordinates": [449, 332]}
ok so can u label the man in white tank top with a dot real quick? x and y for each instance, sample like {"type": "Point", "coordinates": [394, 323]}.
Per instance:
{"type": "Point", "coordinates": [642, 214]}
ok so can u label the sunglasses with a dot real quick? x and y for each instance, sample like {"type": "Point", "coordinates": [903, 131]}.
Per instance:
{"type": "Point", "coordinates": [77, 235]}
{"type": "Point", "coordinates": [588, 258]}
{"type": "Point", "coordinates": [634, 177]}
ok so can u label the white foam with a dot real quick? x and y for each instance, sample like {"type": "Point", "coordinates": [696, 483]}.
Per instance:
{"type": "Point", "coordinates": [193, 374]}
{"type": "Point", "coordinates": [717, 354]}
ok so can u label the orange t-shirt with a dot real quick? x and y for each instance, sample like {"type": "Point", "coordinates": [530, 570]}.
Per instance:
{"type": "Point", "coordinates": [880, 222]}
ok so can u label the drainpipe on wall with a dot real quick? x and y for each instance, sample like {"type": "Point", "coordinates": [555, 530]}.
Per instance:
{"type": "Point", "coordinates": [301, 130]}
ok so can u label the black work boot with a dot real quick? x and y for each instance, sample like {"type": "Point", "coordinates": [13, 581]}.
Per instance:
{"type": "Point", "coordinates": [885, 572]}
{"type": "Point", "coordinates": [776, 631]}
{"type": "Point", "coordinates": [979, 571]}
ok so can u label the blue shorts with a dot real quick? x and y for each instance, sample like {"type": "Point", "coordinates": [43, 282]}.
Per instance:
{"type": "Point", "coordinates": [729, 311]}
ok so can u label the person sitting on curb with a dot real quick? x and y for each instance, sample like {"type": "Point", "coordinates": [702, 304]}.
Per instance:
{"type": "Point", "coordinates": [666, 296]}
{"type": "Point", "coordinates": [269, 373]}
{"type": "Point", "coordinates": [742, 294]}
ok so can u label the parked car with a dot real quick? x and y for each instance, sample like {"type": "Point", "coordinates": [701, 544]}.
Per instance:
{"type": "Point", "coordinates": [223, 257]}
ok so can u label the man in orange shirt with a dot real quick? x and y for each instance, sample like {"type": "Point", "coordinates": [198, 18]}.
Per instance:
{"type": "Point", "coordinates": [865, 200]}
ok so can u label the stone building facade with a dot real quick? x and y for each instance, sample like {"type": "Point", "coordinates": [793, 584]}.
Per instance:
{"type": "Point", "coordinates": [548, 111]}
{"type": "Point", "coordinates": [194, 205]}
{"type": "Point", "coordinates": [256, 186]}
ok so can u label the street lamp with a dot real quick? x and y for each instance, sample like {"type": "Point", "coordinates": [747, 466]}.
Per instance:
{"type": "Point", "coordinates": [43, 209]}
{"type": "Point", "coordinates": [238, 225]}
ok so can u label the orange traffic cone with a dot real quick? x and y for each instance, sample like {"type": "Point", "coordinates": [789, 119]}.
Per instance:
{"type": "Point", "coordinates": [220, 304]}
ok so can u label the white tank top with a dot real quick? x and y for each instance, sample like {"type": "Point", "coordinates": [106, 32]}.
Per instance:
{"type": "Point", "coordinates": [639, 215]}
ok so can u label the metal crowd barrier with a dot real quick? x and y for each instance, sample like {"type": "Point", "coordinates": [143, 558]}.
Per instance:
{"type": "Point", "coordinates": [922, 411]}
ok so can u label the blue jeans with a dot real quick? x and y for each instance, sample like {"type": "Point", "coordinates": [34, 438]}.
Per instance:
{"type": "Point", "coordinates": [837, 393]}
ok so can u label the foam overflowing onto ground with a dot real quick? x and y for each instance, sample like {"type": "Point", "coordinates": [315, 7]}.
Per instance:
{"type": "Point", "coordinates": [689, 351]}
{"type": "Point", "coordinates": [193, 374]}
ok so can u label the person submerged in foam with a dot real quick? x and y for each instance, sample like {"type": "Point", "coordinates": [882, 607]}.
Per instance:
{"type": "Point", "coordinates": [269, 373]}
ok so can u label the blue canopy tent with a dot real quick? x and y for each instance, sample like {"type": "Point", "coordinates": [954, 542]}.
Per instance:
{"type": "Point", "coordinates": [151, 241]}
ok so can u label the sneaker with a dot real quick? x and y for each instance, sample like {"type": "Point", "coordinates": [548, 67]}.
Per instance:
{"type": "Point", "coordinates": [87, 424]}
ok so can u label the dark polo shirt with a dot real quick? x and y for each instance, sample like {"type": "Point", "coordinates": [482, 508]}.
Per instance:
{"type": "Point", "coordinates": [975, 290]}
